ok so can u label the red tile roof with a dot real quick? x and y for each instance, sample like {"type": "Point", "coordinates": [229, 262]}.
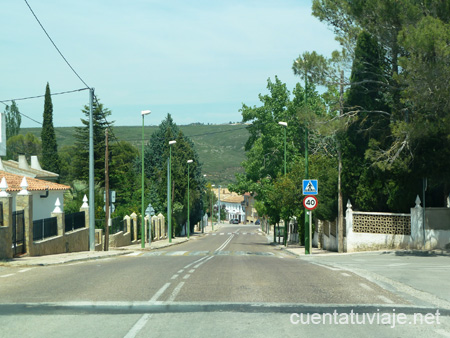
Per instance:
{"type": "Point", "coordinates": [34, 184]}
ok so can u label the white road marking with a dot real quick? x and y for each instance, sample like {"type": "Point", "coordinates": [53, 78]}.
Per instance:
{"type": "Point", "coordinates": [345, 274]}
{"type": "Point", "coordinates": [180, 271]}
{"type": "Point", "coordinates": [365, 286]}
{"type": "Point", "coordinates": [186, 276]}
{"type": "Point", "coordinates": [175, 292]}
{"type": "Point", "coordinates": [196, 266]}
{"type": "Point", "coordinates": [214, 234]}
{"type": "Point", "coordinates": [174, 276]}
{"type": "Point", "coordinates": [385, 299]}
{"type": "Point", "coordinates": [159, 292]}
{"type": "Point", "coordinates": [191, 271]}
{"type": "Point", "coordinates": [138, 326]}
{"type": "Point", "coordinates": [442, 332]}
{"type": "Point", "coordinates": [222, 233]}
{"type": "Point", "coordinates": [198, 260]}
{"type": "Point", "coordinates": [9, 275]}
{"type": "Point", "coordinates": [176, 253]}
{"type": "Point", "coordinates": [136, 253]}
{"type": "Point", "coordinates": [25, 270]}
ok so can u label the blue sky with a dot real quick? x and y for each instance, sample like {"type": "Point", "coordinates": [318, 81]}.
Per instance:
{"type": "Point", "coordinates": [198, 60]}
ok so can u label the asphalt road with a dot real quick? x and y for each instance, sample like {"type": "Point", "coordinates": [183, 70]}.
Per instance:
{"type": "Point", "coordinates": [229, 283]}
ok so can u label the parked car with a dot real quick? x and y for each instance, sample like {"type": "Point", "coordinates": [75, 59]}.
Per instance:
{"type": "Point", "coordinates": [258, 222]}
{"type": "Point", "coordinates": [234, 221]}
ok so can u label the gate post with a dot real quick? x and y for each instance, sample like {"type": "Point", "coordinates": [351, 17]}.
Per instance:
{"type": "Point", "coordinates": [24, 201]}
{"type": "Point", "coordinates": [6, 229]}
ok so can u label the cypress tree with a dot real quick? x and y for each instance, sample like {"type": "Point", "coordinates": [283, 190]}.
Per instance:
{"type": "Point", "coordinates": [50, 158]}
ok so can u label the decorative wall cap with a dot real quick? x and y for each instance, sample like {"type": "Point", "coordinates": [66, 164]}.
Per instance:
{"type": "Point", "coordinates": [418, 201]}
{"type": "Point", "coordinates": [349, 205]}
{"type": "Point", "coordinates": [133, 215]}
{"type": "Point", "coordinates": [57, 209]}
{"type": "Point", "coordinates": [3, 187]}
{"type": "Point", "coordinates": [85, 204]}
{"type": "Point", "coordinates": [24, 186]}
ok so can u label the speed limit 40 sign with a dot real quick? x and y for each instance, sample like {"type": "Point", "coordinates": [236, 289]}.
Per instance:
{"type": "Point", "coordinates": [310, 202]}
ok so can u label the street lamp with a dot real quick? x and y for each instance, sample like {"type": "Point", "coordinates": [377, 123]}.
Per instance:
{"type": "Point", "coordinates": [169, 191]}
{"type": "Point", "coordinates": [218, 217]}
{"type": "Point", "coordinates": [285, 127]}
{"type": "Point", "coordinates": [307, 223]}
{"type": "Point", "coordinates": [212, 223]}
{"type": "Point", "coordinates": [143, 113]}
{"type": "Point", "coordinates": [188, 220]}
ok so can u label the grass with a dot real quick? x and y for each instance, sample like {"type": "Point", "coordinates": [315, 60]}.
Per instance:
{"type": "Point", "coordinates": [220, 147]}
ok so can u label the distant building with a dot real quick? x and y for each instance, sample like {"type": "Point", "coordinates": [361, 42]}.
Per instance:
{"type": "Point", "coordinates": [233, 207]}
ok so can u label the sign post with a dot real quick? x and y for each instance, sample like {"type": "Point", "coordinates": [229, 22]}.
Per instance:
{"type": "Point", "coordinates": [310, 189]}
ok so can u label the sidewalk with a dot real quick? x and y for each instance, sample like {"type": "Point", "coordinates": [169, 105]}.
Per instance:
{"type": "Point", "coordinates": [92, 255]}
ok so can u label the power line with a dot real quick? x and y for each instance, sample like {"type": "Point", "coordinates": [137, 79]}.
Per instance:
{"type": "Point", "coordinates": [39, 96]}
{"type": "Point", "coordinates": [55, 44]}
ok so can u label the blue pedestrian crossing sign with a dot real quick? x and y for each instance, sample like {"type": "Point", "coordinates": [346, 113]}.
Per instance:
{"type": "Point", "coordinates": [310, 187]}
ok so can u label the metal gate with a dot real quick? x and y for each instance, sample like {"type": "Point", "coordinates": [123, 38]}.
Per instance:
{"type": "Point", "coordinates": [18, 232]}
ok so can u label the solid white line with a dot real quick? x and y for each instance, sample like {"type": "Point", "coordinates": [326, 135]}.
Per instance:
{"type": "Point", "coordinates": [24, 270]}
{"type": "Point", "coordinates": [159, 292]}
{"type": "Point", "coordinates": [175, 292]}
{"type": "Point", "coordinates": [365, 286]}
{"type": "Point", "coordinates": [138, 326]}
{"type": "Point", "coordinates": [11, 274]}
{"type": "Point", "coordinates": [345, 274]}
{"type": "Point", "coordinates": [220, 248]}
{"type": "Point", "coordinates": [203, 261]}
{"type": "Point", "coordinates": [385, 299]}
{"type": "Point", "coordinates": [198, 260]}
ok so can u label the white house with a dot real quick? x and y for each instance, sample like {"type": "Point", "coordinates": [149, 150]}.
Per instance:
{"type": "Point", "coordinates": [44, 193]}
{"type": "Point", "coordinates": [233, 207]}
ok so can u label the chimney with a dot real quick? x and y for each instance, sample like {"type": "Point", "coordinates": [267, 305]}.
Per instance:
{"type": "Point", "coordinates": [35, 163]}
{"type": "Point", "coordinates": [23, 164]}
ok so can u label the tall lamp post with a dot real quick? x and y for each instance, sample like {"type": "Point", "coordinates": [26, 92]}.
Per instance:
{"type": "Point", "coordinates": [285, 127]}
{"type": "Point", "coordinates": [307, 223]}
{"type": "Point", "coordinates": [143, 113]}
{"type": "Point", "coordinates": [188, 220]}
{"type": "Point", "coordinates": [218, 218]}
{"type": "Point", "coordinates": [212, 218]}
{"type": "Point", "coordinates": [169, 191]}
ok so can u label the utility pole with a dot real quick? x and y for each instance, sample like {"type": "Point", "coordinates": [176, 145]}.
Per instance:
{"type": "Point", "coordinates": [106, 192]}
{"type": "Point", "coordinates": [91, 174]}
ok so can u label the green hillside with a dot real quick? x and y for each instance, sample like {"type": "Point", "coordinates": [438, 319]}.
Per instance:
{"type": "Point", "coordinates": [220, 147]}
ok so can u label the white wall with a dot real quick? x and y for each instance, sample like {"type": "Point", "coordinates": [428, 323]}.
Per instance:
{"type": "Point", "coordinates": [43, 207]}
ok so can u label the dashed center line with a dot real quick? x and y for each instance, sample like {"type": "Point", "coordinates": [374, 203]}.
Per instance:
{"type": "Point", "coordinates": [186, 276]}
{"type": "Point", "coordinates": [174, 276]}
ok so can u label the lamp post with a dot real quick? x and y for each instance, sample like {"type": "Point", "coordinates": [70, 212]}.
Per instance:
{"type": "Point", "coordinates": [285, 127]}
{"type": "Point", "coordinates": [212, 218]}
{"type": "Point", "coordinates": [307, 223]}
{"type": "Point", "coordinates": [169, 191]}
{"type": "Point", "coordinates": [218, 218]}
{"type": "Point", "coordinates": [143, 113]}
{"type": "Point", "coordinates": [188, 220]}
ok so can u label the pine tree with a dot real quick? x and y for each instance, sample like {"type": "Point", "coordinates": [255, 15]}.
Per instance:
{"type": "Point", "coordinates": [81, 160]}
{"type": "Point", "coordinates": [50, 158]}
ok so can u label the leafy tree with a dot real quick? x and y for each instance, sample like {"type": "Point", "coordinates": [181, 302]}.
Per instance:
{"type": "Point", "coordinates": [156, 159]}
{"type": "Point", "coordinates": [28, 145]}
{"type": "Point", "coordinates": [13, 120]}
{"type": "Point", "coordinates": [50, 158]}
